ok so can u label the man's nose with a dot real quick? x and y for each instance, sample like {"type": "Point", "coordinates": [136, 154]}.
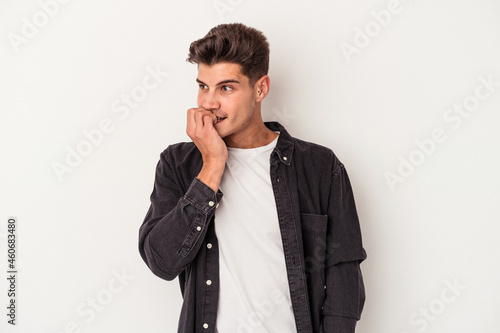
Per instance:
{"type": "Point", "coordinates": [211, 101]}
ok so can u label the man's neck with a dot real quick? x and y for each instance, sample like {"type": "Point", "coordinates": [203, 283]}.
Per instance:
{"type": "Point", "coordinates": [261, 136]}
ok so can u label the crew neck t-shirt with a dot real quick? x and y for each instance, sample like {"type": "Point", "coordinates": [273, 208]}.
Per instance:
{"type": "Point", "coordinates": [254, 293]}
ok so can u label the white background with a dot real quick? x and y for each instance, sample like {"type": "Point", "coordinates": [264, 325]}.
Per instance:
{"type": "Point", "coordinates": [436, 227]}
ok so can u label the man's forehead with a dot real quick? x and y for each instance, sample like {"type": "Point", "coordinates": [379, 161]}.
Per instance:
{"type": "Point", "coordinates": [221, 72]}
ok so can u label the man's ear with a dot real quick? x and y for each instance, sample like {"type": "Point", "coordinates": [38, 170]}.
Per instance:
{"type": "Point", "coordinates": [261, 88]}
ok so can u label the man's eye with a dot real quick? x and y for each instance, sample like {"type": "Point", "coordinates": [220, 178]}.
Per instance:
{"type": "Point", "coordinates": [227, 88]}
{"type": "Point", "coordinates": [202, 86]}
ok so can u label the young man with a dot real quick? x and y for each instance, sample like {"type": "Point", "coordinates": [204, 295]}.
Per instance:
{"type": "Point", "coordinates": [260, 227]}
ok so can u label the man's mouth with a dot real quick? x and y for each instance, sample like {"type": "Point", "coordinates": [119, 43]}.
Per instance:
{"type": "Point", "coordinates": [219, 119]}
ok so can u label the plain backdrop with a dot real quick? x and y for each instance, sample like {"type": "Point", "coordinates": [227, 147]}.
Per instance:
{"type": "Point", "coordinates": [406, 93]}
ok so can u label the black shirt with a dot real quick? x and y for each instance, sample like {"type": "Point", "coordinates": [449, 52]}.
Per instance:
{"type": "Point", "coordinates": [319, 228]}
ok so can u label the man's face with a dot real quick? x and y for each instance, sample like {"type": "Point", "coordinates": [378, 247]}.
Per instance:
{"type": "Point", "coordinates": [226, 92]}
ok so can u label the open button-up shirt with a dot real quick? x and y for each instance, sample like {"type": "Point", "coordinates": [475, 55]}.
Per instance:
{"type": "Point", "coordinates": [319, 228]}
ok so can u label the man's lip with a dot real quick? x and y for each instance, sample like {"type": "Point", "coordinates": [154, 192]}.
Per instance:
{"type": "Point", "coordinates": [219, 119]}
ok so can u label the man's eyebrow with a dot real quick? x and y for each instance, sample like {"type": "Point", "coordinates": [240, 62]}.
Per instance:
{"type": "Point", "coordinates": [221, 82]}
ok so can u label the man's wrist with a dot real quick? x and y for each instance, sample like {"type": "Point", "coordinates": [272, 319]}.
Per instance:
{"type": "Point", "coordinates": [211, 174]}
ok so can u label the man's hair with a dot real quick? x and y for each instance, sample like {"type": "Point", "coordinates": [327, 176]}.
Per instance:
{"type": "Point", "coordinates": [233, 43]}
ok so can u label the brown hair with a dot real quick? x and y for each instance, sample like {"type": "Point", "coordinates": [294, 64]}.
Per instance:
{"type": "Point", "coordinates": [233, 43]}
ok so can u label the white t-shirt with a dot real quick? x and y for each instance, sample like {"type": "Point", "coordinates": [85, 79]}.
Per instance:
{"type": "Point", "coordinates": [254, 294]}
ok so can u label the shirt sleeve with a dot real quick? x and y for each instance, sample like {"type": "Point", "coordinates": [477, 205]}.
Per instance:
{"type": "Point", "coordinates": [176, 223]}
{"type": "Point", "coordinates": [345, 292]}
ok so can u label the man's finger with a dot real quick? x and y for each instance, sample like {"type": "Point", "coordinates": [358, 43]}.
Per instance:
{"type": "Point", "coordinates": [209, 119]}
{"type": "Point", "coordinates": [192, 120]}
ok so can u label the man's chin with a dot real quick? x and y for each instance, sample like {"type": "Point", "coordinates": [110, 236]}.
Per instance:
{"type": "Point", "coordinates": [220, 130]}
{"type": "Point", "coordinates": [222, 134]}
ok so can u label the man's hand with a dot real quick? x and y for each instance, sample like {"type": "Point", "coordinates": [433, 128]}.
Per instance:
{"type": "Point", "coordinates": [200, 128]}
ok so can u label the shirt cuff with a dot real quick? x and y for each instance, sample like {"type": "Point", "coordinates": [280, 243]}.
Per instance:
{"type": "Point", "coordinates": [338, 324]}
{"type": "Point", "coordinates": [202, 196]}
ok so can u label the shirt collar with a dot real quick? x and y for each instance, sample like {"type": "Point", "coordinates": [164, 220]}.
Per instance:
{"type": "Point", "coordinates": [283, 152]}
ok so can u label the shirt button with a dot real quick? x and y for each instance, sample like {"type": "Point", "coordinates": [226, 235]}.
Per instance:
{"type": "Point", "coordinates": [324, 287]}
{"type": "Point", "coordinates": [198, 228]}
{"type": "Point", "coordinates": [211, 203]}
{"type": "Point", "coordinates": [284, 158]}
{"type": "Point", "coordinates": [209, 245]}
{"type": "Point", "coordinates": [205, 326]}
{"type": "Point", "coordinates": [209, 282]}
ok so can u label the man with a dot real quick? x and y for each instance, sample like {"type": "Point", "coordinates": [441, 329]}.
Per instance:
{"type": "Point", "coordinates": [260, 227]}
